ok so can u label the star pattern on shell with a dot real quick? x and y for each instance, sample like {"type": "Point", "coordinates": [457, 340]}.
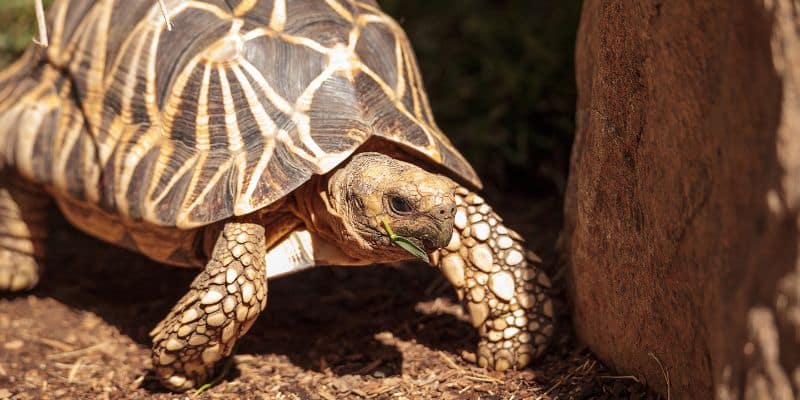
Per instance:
{"type": "Point", "coordinates": [184, 129]}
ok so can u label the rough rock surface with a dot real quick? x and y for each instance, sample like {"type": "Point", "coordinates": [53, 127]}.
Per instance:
{"type": "Point", "coordinates": [682, 224]}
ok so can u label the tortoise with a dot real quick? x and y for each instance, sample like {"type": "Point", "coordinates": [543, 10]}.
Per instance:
{"type": "Point", "coordinates": [256, 139]}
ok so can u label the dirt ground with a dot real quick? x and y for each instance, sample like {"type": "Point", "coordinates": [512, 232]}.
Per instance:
{"type": "Point", "coordinates": [383, 332]}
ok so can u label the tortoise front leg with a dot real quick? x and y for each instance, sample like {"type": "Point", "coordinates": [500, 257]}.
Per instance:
{"type": "Point", "coordinates": [222, 304]}
{"type": "Point", "coordinates": [506, 294]}
{"type": "Point", "coordinates": [23, 232]}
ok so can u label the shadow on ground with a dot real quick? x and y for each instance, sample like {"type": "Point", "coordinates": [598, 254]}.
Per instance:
{"type": "Point", "coordinates": [329, 312]}
{"type": "Point", "coordinates": [393, 331]}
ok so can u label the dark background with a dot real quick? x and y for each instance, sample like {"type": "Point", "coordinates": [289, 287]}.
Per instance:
{"type": "Point", "coordinates": [500, 77]}
{"type": "Point", "coordinates": [499, 74]}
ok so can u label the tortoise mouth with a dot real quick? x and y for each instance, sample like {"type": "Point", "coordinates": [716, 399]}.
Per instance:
{"type": "Point", "coordinates": [430, 238]}
{"type": "Point", "coordinates": [440, 238]}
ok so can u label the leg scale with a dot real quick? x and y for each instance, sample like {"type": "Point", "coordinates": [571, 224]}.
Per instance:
{"type": "Point", "coordinates": [505, 293]}
{"type": "Point", "coordinates": [221, 305]}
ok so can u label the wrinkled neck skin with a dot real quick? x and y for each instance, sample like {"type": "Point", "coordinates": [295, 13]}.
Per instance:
{"type": "Point", "coordinates": [322, 206]}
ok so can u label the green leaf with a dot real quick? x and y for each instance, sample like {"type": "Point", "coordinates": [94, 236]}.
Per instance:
{"type": "Point", "coordinates": [202, 389]}
{"type": "Point", "coordinates": [405, 243]}
{"type": "Point", "coordinates": [388, 229]}
{"type": "Point", "coordinates": [411, 248]}
{"type": "Point", "coordinates": [226, 369]}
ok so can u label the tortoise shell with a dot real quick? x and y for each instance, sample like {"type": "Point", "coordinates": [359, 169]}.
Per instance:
{"type": "Point", "coordinates": [238, 105]}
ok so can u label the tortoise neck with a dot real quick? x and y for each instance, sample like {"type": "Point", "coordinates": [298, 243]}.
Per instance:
{"type": "Point", "coordinates": [312, 204]}
{"type": "Point", "coordinates": [320, 204]}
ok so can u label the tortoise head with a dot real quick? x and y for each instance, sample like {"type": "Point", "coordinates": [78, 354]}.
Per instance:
{"type": "Point", "coordinates": [374, 197]}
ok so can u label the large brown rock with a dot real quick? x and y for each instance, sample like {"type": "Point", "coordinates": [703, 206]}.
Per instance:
{"type": "Point", "coordinates": [682, 207]}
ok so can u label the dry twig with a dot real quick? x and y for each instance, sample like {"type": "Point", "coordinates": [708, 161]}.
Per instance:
{"type": "Point", "coordinates": [165, 12]}
{"type": "Point", "coordinates": [450, 362]}
{"type": "Point", "coordinates": [58, 345]}
{"type": "Point", "coordinates": [664, 372]}
{"type": "Point", "coordinates": [74, 370]}
{"type": "Point", "coordinates": [624, 377]}
{"type": "Point", "coordinates": [73, 353]}
{"type": "Point", "coordinates": [42, 24]}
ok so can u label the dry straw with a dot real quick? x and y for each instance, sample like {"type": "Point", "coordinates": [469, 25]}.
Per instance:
{"type": "Point", "coordinates": [42, 40]}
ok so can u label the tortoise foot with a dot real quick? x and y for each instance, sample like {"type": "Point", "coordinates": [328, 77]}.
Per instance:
{"type": "Point", "coordinates": [504, 290]}
{"type": "Point", "coordinates": [18, 271]}
{"type": "Point", "coordinates": [23, 232]}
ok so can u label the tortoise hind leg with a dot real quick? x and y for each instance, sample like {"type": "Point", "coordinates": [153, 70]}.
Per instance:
{"type": "Point", "coordinates": [23, 231]}
{"type": "Point", "coordinates": [506, 294]}
{"type": "Point", "coordinates": [222, 303]}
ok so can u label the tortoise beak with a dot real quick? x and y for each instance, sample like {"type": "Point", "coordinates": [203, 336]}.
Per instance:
{"type": "Point", "coordinates": [445, 234]}
{"type": "Point", "coordinates": [440, 236]}
{"type": "Point", "coordinates": [432, 238]}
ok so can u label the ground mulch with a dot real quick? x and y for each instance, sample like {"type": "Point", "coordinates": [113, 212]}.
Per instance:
{"type": "Point", "coordinates": [383, 332]}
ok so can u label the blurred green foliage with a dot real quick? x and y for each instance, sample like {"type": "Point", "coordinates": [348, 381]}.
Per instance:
{"type": "Point", "coordinates": [499, 74]}
{"type": "Point", "coordinates": [500, 78]}
{"type": "Point", "coordinates": [17, 27]}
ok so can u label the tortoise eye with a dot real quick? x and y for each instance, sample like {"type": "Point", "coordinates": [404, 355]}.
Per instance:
{"type": "Point", "coordinates": [400, 205]}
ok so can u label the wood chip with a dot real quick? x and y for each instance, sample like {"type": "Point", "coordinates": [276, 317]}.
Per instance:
{"type": "Point", "coordinates": [13, 345]}
{"type": "Point", "coordinates": [324, 394]}
{"type": "Point", "coordinates": [381, 390]}
{"type": "Point", "coordinates": [483, 378]}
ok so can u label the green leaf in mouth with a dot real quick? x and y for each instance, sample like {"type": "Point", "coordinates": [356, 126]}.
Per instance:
{"type": "Point", "coordinates": [405, 243]}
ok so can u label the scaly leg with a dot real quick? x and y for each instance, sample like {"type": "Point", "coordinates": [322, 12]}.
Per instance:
{"type": "Point", "coordinates": [23, 232]}
{"type": "Point", "coordinates": [506, 294]}
{"type": "Point", "coordinates": [222, 304]}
